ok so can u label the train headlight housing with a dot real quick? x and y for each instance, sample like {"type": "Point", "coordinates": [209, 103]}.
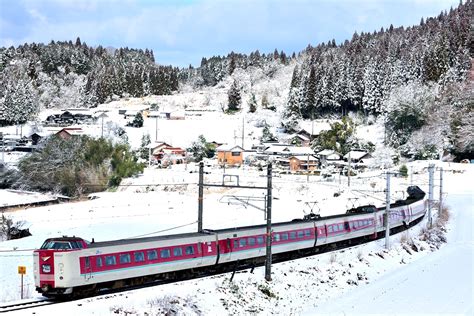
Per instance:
{"type": "Point", "coordinates": [46, 268]}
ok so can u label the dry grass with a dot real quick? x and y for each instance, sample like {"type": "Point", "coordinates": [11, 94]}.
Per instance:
{"type": "Point", "coordinates": [443, 217]}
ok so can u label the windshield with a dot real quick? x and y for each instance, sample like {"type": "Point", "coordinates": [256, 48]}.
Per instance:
{"type": "Point", "coordinates": [57, 244]}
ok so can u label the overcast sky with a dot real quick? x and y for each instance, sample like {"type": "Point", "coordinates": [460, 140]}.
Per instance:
{"type": "Point", "coordinates": [181, 32]}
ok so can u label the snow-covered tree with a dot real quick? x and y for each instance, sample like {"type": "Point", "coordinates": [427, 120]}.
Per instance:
{"type": "Point", "coordinates": [234, 97]}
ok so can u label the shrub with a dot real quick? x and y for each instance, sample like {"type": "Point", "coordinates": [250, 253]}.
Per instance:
{"type": "Point", "coordinates": [403, 171]}
{"type": "Point", "coordinates": [77, 166]}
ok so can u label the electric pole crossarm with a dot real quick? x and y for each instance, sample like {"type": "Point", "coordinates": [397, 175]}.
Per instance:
{"type": "Point", "coordinates": [232, 186]}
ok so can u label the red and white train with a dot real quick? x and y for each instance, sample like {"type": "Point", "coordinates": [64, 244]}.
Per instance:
{"type": "Point", "coordinates": [69, 266]}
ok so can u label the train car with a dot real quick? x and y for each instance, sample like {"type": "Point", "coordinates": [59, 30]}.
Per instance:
{"type": "Point", "coordinates": [243, 243]}
{"type": "Point", "coordinates": [63, 270]}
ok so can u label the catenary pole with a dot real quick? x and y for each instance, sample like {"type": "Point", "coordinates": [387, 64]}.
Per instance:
{"type": "Point", "coordinates": [430, 194]}
{"type": "Point", "coordinates": [440, 207]}
{"type": "Point", "coordinates": [349, 171]}
{"type": "Point", "coordinates": [387, 213]}
{"type": "Point", "coordinates": [201, 192]}
{"type": "Point", "coordinates": [268, 261]}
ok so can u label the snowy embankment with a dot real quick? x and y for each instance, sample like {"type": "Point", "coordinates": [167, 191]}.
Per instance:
{"type": "Point", "coordinates": [363, 279]}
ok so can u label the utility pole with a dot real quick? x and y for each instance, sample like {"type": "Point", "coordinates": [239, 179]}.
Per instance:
{"type": "Point", "coordinates": [243, 132]}
{"type": "Point", "coordinates": [349, 171]}
{"type": "Point", "coordinates": [268, 261]}
{"type": "Point", "coordinates": [156, 128]}
{"type": "Point", "coordinates": [440, 207]}
{"type": "Point", "coordinates": [430, 194]}
{"type": "Point", "coordinates": [307, 169]}
{"type": "Point", "coordinates": [387, 213]}
{"type": "Point", "coordinates": [201, 192]}
{"type": "Point", "coordinates": [3, 148]}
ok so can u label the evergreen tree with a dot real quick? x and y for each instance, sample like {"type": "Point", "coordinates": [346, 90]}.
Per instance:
{"type": "Point", "coordinates": [252, 103]}
{"type": "Point", "coordinates": [234, 98]}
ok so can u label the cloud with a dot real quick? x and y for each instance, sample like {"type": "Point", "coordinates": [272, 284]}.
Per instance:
{"type": "Point", "coordinates": [36, 15]}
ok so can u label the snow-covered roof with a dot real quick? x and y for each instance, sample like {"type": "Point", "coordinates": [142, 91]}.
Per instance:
{"type": "Point", "coordinates": [356, 154]}
{"type": "Point", "coordinates": [290, 150]}
{"type": "Point", "coordinates": [300, 136]}
{"type": "Point", "coordinates": [234, 148]}
{"type": "Point", "coordinates": [305, 158]}
{"type": "Point", "coordinates": [327, 152]}
{"type": "Point", "coordinates": [298, 151]}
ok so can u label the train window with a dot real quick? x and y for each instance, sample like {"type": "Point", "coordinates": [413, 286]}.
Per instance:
{"type": "Point", "coordinates": [139, 256]}
{"type": "Point", "coordinates": [330, 229]}
{"type": "Point", "coordinates": [165, 253]}
{"type": "Point", "coordinates": [260, 240]}
{"type": "Point", "coordinates": [125, 258]}
{"type": "Point", "coordinates": [98, 262]}
{"type": "Point", "coordinates": [177, 252]}
{"type": "Point", "coordinates": [292, 235]}
{"type": "Point", "coordinates": [236, 243]}
{"type": "Point", "coordinates": [242, 242]}
{"type": "Point", "coordinates": [284, 236]}
{"type": "Point", "coordinates": [251, 241]}
{"type": "Point", "coordinates": [346, 225]}
{"type": "Point", "coordinates": [341, 227]}
{"type": "Point", "coordinates": [110, 260]}
{"type": "Point", "coordinates": [152, 254]}
{"type": "Point", "coordinates": [190, 250]}
{"type": "Point", "coordinates": [87, 262]}
{"type": "Point", "coordinates": [276, 237]}
{"type": "Point", "coordinates": [300, 234]}
{"type": "Point", "coordinates": [307, 232]}
{"type": "Point", "coordinates": [354, 224]}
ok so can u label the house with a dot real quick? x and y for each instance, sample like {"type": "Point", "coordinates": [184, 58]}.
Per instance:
{"type": "Point", "coordinates": [177, 115]}
{"type": "Point", "coordinates": [299, 140]}
{"type": "Point", "coordinates": [230, 154]}
{"type": "Point", "coordinates": [68, 132]}
{"type": "Point", "coordinates": [131, 114]}
{"type": "Point", "coordinates": [288, 150]}
{"type": "Point", "coordinates": [166, 154]}
{"type": "Point", "coordinates": [357, 156]}
{"type": "Point", "coordinates": [36, 138]}
{"type": "Point", "coordinates": [308, 163]}
{"type": "Point", "coordinates": [328, 156]}
{"type": "Point", "coordinates": [157, 147]}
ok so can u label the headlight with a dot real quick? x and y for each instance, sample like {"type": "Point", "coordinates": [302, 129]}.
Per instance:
{"type": "Point", "coordinates": [46, 268]}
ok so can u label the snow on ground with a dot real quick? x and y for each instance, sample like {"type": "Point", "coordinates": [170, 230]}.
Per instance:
{"type": "Point", "coordinates": [359, 280]}
{"type": "Point", "coordinates": [14, 197]}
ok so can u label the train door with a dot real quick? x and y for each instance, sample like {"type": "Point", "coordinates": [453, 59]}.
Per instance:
{"type": "Point", "coordinates": [375, 225]}
{"type": "Point", "coordinates": [87, 268]}
{"type": "Point", "coordinates": [321, 234]}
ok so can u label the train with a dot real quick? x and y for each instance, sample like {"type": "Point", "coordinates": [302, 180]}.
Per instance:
{"type": "Point", "coordinates": [74, 267]}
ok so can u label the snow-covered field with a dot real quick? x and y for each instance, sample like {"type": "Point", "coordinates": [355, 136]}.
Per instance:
{"type": "Point", "coordinates": [359, 280]}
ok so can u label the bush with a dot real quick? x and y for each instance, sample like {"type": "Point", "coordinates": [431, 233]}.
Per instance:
{"type": "Point", "coordinates": [403, 171]}
{"type": "Point", "coordinates": [77, 166]}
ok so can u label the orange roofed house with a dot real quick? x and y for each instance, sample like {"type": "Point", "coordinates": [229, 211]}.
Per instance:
{"type": "Point", "coordinates": [230, 155]}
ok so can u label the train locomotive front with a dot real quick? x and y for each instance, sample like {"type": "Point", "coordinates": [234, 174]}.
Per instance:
{"type": "Point", "coordinates": [52, 272]}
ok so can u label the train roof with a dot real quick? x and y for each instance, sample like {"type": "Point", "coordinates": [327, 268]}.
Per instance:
{"type": "Point", "coordinates": [119, 242]}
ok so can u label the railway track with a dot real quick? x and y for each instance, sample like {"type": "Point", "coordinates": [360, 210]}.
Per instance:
{"type": "Point", "coordinates": [25, 304]}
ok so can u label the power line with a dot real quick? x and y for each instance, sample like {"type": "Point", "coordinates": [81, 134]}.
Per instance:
{"type": "Point", "coordinates": [161, 231]}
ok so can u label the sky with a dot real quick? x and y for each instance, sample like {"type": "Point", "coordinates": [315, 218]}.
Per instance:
{"type": "Point", "coordinates": [181, 32]}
